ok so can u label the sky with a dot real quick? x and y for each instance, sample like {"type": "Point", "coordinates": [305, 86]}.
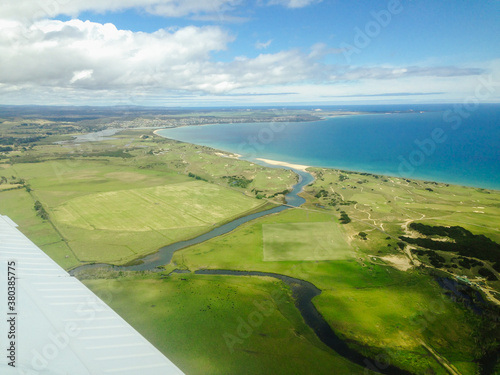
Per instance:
{"type": "Point", "coordinates": [248, 53]}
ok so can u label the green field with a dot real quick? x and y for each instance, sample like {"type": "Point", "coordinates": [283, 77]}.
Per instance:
{"type": "Point", "coordinates": [114, 210]}
{"type": "Point", "coordinates": [219, 325]}
{"type": "Point", "coordinates": [180, 205]}
{"type": "Point", "coordinates": [379, 308]}
{"type": "Point", "coordinates": [18, 205]}
{"type": "Point", "coordinates": [365, 299]}
{"type": "Point", "coordinates": [121, 225]}
{"type": "Point", "coordinates": [304, 241]}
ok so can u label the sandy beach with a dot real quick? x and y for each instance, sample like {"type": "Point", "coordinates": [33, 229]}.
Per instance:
{"type": "Point", "coordinates": [155, 132]}
{"type": "Point", "coordinates": [285, 164]}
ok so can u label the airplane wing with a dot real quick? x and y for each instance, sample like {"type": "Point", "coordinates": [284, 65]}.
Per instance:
{"type": "Point", "coordinates": [51, 323]}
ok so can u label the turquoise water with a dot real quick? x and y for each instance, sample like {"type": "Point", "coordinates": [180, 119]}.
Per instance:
{"type": "Point", "coordinates": [452, 144]}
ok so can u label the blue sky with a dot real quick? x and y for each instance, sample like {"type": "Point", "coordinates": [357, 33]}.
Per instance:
{"type": "Point", "coordinates": [235, 52]}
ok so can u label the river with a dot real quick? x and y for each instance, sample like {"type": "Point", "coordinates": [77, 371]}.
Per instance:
{"type": "Point", "coordinates": [302, 291]}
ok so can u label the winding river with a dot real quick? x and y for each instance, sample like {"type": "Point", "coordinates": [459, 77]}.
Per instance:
{"type": "Point", "coordinates": [302, 291]}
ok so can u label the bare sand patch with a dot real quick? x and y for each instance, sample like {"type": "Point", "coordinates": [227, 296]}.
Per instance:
{"type": "Point", "coordinates": [299, 167]}
{"type": "Point", "coordinates": [399, 262]}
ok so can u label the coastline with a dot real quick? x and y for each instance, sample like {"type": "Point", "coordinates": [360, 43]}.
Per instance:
{"type": "Point", "coordinates": [302, 167]}
{"type": "Point", "coordinates": [234, 155]}
{"type": "Point", "coordinates": [218, 152]}
{"type": "Point", "coordinates": [299, 167]}
{"type": "Point", "coordinates": [156, 132]}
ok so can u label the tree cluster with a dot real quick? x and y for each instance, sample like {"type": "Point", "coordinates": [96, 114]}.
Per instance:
{"type": "Point", "coordinates": [344, 218]}
{"type": "Point", "coordinates": [40, 211]}
{"type": "Point", "coordinates": [463, 242]}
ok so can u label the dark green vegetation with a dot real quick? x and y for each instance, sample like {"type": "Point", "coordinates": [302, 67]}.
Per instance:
{"type": "Point", "coordinates": [427, 310]}
{"type": "Point", "coordinates": [196, 177]}
{"type": "Point", "coordinates": [490, 276]}
{"type": "Point", "coordinates": [461, 241]}
{"type": "Point", "coordinates": [40, 211]}
{"type": "Point", "coordinates": [238, 181]}
{"type": "Point", "coordinates": [344, 218]}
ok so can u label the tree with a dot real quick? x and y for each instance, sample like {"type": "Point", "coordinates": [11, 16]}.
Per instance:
{"type": "Point", "coordinates": [344, 218]}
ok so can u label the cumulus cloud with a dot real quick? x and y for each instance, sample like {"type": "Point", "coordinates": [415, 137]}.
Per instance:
{"type": "Point", "coordinates": [278, 68]}
{"type": "Point", "coordinates": [294, 3]}
{"type": "Point", "coordinates": [88, 55]}
{"type": "Point", "coordinates": [29, 11]}
{"type": "Point", "coordinates": [54, 52]}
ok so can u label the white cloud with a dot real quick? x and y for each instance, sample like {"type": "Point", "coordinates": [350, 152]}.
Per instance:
{"type": "Point", "coordinates": [88, 55]}
{"type": "Point", "coordinates": [29, 11]}
{"type": "Point", "coordinates": [320, 50]}
{"type": "Point", "coordinates": [77, 62]}
{"type": "Point", "coordinates": [179, 8]}
{"type": "Point", "coordinates": [294, 3]}
{"type": "Point", "coordinates": [389, 73]}
{"type": "Point", "coordinates": [263, 45]}
{"type": "Point", "coordinates": [83, 74]}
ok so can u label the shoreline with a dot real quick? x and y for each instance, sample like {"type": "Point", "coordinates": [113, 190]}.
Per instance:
{"type": "Point", "coordinates": [299, 167]}
{"type": "Point", "coordinates": [303, 168]}
{"type": "Point", "coordinates": [319, 117]}
{"type": "Point", "coordinates": [159, 135]}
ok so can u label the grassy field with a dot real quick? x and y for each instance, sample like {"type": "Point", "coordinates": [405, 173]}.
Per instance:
{"type": "Point", "coordinates": [378, 200]}
{"type": "Point", "coordinates": [18, 205]}
{"type": "Point", "coordinates": [181, 205]}
{"type": "Point", "coordinates": [304, 241]}
{"type": "Point", "coordinates": [366, 299]}
{"type": "Point", "coordinates": [222, 325]}
{"type": "Point", "coordinates": [115, 209]}
{"type": "Point", "coordinates": [122, 225]}
{"type": "Point", "coordinates": [379, 307]}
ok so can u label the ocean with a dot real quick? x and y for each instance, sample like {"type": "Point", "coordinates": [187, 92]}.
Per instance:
{"type": "Point", "coordinates": [456, 144]}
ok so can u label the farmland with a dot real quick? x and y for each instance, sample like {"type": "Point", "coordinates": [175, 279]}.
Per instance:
{"type": "Point", "coordinates": [294, 241]}
{"type": "Point", "coordinates": [213, 325]}
{"type": "Point", "coordinates": [118, 199]}
{"type": "Point", "coordinates": [104, 207]}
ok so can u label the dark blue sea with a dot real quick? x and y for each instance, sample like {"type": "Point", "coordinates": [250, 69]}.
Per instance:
{"type": "Point", "coordinates": [457, 143]}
